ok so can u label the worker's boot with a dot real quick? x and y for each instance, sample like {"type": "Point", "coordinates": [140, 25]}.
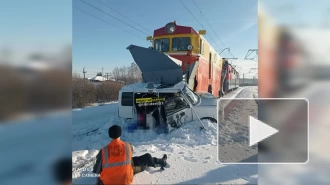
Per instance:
{"type": "Point", "coordinates": [161, 162]}
{"type": "Point", "coordinates": [164, 159]}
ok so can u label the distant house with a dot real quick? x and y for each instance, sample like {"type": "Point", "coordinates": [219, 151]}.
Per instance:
{"type": "Point", "coordinates": [97, 79]}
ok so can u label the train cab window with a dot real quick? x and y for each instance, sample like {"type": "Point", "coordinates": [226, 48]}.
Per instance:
{"type": "Point", "coordinates": [162, 45]}
{"type": "Point", "coordinates": [180, 43]}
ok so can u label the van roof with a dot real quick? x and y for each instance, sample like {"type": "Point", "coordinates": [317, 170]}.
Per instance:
{"type": "Point", "coordinates": [140, 87]}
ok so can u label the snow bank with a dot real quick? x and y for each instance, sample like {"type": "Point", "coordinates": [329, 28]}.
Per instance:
{"type": "Point", "coordinates": [192, 153]}
{"type": "Point", "coordinates": [188, 135]}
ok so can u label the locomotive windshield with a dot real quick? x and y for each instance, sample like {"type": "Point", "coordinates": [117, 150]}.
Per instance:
{"type": "Point", "coordinates": [162, 44]}
{"type": "Point", "coordinates": [180, 43]}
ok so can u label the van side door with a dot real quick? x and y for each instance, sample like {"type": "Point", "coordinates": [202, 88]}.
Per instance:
{"type": "Point", "coordinates": [125, 105]}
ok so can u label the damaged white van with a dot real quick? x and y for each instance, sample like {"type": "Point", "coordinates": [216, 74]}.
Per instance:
{"type": "Point", "coordinates": [164, 99]}
{"type": "Point", "coordinates": [170, 106]}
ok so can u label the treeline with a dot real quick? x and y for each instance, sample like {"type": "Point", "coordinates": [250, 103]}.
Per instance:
{"type": "Point", "coordinates": [85, 93]}
{"type": "Point", "coordinates": [128, 74]}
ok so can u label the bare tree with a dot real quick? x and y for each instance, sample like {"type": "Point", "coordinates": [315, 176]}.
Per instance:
{"type": "Point", "coordinates": [82, 95]}
{"type": "Point", "coordinates": [115, 73]}
{"type": "Point", "coordinates": [106, 91]}
{"type": "Point", "coordinates": [127, 74]}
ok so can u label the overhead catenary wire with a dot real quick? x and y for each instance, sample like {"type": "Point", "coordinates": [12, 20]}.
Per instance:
{"type": "Point", "coordinates": [123, 15]}
{"type": "Point", "coordinates": [212, 28]}
{"type": "Point", "coordinates": [114, 17]}
{"type": "Point", "coordinates": [191, 14]}
{"type": "Point", "coordinates": [108, 23]}
{"type": "Point", "coordinates": [254, 56]}
{"type": "Point", "coordinates": [208, 23]}
{"type": "Point", "coordinates": [200, 24]}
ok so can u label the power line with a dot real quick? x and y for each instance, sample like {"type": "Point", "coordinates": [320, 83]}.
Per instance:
{"type": "Point", "coordinates": [199, 12]}
{"type": "Point", "coordinates": [213, 40]}
{"type": "Point", "coordinates": [200, 24]}
{"type": "Point", "coordinates": [191, 14]}
{"type": "Point", "coordinates": [209, 24]}
{"type": "Point", "coordinates": [124, 16]}
{"type": "Point", "coordinates": [114, 17]}
{"type": "Point", "coordinates": [108, 23]}
{"type": "Point", "coordinates": [212, 28]}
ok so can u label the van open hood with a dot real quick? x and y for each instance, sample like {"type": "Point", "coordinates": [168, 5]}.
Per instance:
{"type": "Point", "coordinates": [155, 66]}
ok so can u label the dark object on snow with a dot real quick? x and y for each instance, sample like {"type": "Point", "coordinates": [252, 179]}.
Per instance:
{"type": "Point", "coordinates": [87, 132]}
{"type": "Point", "coordinates": [139, 164]}
{"type": "Point", "coordinates": [163, 163]}
{"type": "Point", "coordinates": [114, 132]}
{"type": "Point", "coordinates": [147, 160]}
{"type": "Point", "coordinates": [144, 160]}
{"type": "Point", "coordinates": [63, 170]}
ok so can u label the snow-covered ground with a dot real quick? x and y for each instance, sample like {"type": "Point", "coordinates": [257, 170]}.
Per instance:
{"type": "Point", "coordinates": [192, 153]}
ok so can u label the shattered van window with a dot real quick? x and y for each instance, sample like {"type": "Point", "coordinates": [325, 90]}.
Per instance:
{"type": "Point", "coordinates": [192, 97]}
{"type": "Point", "coordinates": [175, 104]}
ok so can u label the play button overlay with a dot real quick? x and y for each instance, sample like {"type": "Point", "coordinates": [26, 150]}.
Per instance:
{"type": "Point", "coordinates": [263, 131]}
{"type": "Point", "coordinates": [259, 131]}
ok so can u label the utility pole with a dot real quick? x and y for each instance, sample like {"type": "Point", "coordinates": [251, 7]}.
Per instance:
{"type": "Point", "coordinates": [84, 73]}
{"type": "Point", "coordinates": [102, 71]}
{"type": "Point", "coordinates": [243, 78]}
{"type": "Point", "coordinates": [107, 76]}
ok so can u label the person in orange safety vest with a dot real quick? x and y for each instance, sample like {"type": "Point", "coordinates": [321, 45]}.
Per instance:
{"type": "Point", "coordinates": [115, 162]}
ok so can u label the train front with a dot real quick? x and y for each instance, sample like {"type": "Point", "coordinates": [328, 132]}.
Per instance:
{"type": "Point", "coordinates": [200, 62]}
{"type": "Point", "coordinates": [180, 42]}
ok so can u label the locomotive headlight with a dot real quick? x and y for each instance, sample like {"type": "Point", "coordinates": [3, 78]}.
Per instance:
{"type": "Point", "coordinates": [170, 27]}
{"type": "Point", "coordinates": [190, 47]}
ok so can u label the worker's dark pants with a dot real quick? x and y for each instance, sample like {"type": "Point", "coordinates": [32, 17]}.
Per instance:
{"type": "Point", "coordinates": [140, 163]}
{"type": "Point", "coordinates": [146, 160]}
